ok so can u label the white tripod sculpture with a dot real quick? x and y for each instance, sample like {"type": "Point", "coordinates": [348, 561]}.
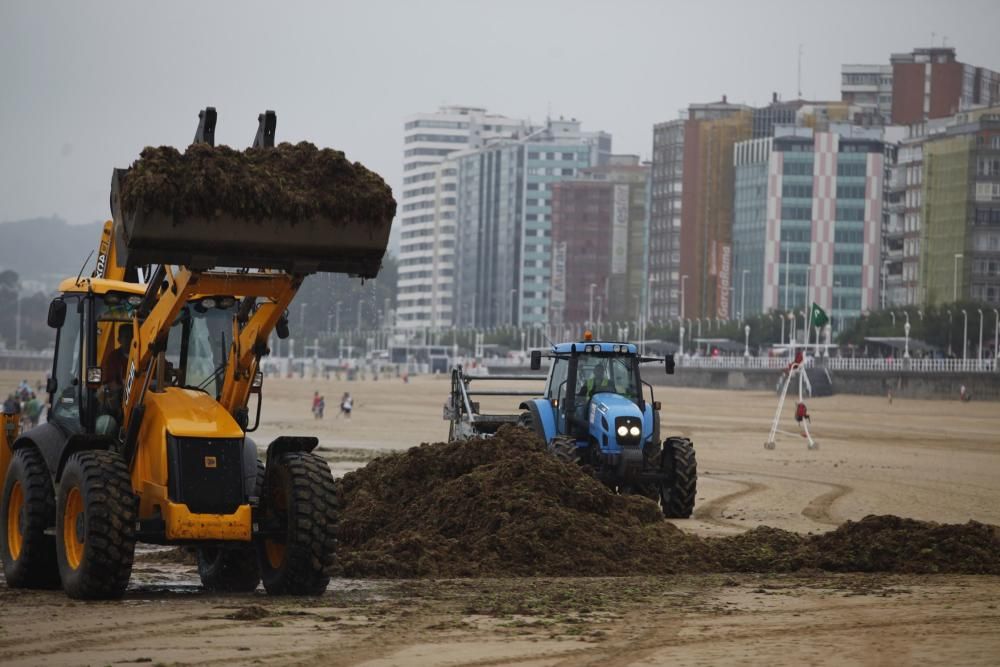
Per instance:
{"type": "Point", "coordinates": [797, 367]}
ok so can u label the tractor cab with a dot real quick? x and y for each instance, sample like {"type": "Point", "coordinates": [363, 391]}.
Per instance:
{"type": "Point", "coordinates": [597, 377]}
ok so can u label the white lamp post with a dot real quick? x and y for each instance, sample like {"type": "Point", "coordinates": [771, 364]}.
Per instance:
{"type": "Point", "coordinates": [996, 338]}
{"type": "Point", "coordinates": [683, 279]}
{"type": "Point", "coordinates": [979, 350]}
{"type": "Point", "coordinates": [965, 335]}
{"type": "Point", "coordinates": [906, 331]}
{"type": "Point", "coordinates": [590, 319]}
{"type": "Point", "coordinates": [746, 342]}
{"type": "Point", "coordinates": [743, 294]}
{"type": "Point", "coordinates": [954, 283]}
{"type": "Point", "coordinates": [681, 347]}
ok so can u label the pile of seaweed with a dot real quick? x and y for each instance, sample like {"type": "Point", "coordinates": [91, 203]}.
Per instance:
{"type": "Point", "coordinates": [290, 182]}
{"type": "Point", "coordinates": [504, 507]}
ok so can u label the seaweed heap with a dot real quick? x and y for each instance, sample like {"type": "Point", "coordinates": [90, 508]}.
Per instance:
{"type": "Point", "coordinates": [503, 506]}
{"type": "Point", "coordinates": [498, 506]}
{"type": "Point", "coordinates": [288, 182]}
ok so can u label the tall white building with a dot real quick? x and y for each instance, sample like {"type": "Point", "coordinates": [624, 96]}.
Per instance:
{"type": "Point", "coordinates": [427, 212]}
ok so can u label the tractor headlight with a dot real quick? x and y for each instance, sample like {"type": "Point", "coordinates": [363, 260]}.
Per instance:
{"type": "Point", "coordinates": [622, 431]}
{"type": "Point", "coordinates": [634, 431]}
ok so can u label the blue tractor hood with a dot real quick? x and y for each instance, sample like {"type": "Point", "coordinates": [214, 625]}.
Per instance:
{"type": "Point", "coordinates": [614, 405]}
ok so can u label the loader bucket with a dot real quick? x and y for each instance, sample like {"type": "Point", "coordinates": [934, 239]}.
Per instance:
{"type": "Point", "coordinates": [201, 236]}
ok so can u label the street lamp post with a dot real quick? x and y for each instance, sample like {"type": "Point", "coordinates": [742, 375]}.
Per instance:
{"type": "Point", "coordinates": [590, 319]}
{"type": "Point", "coordinates": [782, 318]}
{"type": "Point", "coordinates": [743, 293]}
{"type": "Point", "coordinates": [746, 342]}
{"type": "Point", "coordinates": [979, 350]}
{"type": "Point", "coordinates": [805, 328]}
{"type": "Point", "coordinates": [513, 294]}
{"type": "Point", "coordinates": [954, 283]}
{"type": "Point", "coordinates": [683, 279]}
{"type": "Point", "coordinates": [965, 335]}
{"type": "Point", "coordinates": [996, 338]}
{"type": "Point", "coordinates": [906, 330]}
{"type": "Point", "coordinates": [337, 316]}
{"type": "Point", "coordinates": [950, 327]}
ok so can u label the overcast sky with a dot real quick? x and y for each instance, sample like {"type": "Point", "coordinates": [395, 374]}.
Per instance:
{"type": "Point", "coordinates": [86, 85]}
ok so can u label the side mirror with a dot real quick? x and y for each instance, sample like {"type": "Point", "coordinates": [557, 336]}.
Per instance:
{"type": "Point", "coordinates": [668, 364]}
{"type": "Point", "coordinates": [282, 328]}
{"type": "Point", "coordinates": [656, 405]}
{"type": "Point", "coordinates": [94, 377]}
{"type": "Point", "coordinates": [536, 359]}
{"type": "Point", "coordinates": [51, 385]}
{"type": "Point", "coordinates": [57, 313]}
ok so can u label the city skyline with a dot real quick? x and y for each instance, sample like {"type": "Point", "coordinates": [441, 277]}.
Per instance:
{"type": "Point", "coordinates": [68, 119]}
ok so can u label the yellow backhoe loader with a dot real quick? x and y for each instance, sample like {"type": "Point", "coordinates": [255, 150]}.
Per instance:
{"type": "Point", "coordinates": [155, 372]}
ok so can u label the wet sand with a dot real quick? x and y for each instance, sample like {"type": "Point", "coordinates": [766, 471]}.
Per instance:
{"type": "Point", "coordinates": [931, 460]}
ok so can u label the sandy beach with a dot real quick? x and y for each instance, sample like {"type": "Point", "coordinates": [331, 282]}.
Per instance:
{"type": "Point", "coordinates": [930, 460]}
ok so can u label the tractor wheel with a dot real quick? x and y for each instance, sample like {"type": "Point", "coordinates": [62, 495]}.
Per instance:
{"type": "Point", "coordinates": [28, 509]}
{"type": "Point", "coordinates": [564, 448]}
{"type": "Point", "coordinates": [232, 568]}
{"type": "Point", "coordinates": [95, 526]}
{"type": "Point", "coordinates": [677, 498]}
{"type": "Point", "coordinates": [300, 501]}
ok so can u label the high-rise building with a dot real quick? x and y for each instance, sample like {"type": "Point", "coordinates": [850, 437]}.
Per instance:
{"type": "Point", "coordinates": [599, 226]}
{"type": "Point", "coordinates": [678, 151]}
{"type": "Point", "coordinates": [869, 87]}
{"type": "Point", "coordinates": [824, 219]}
{"type": "Point", "coordinates": [427, 211]}
{"type": "Point", "coordinates": [960, 234]}
{"type": "Point", "coordinates": [807, 220]}
{"type": "Point", "coordinates": [924, 84]}
{"type": "Point", "coordinates": [505, 266]}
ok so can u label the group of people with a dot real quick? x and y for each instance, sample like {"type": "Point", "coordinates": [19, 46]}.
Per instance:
{"type": "Point", "coordinates": [24, 401]}
{"type": "Point", "coordinates": [319, 405]}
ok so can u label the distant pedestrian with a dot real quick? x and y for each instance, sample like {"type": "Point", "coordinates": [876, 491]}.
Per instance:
{"type": "Point", "coordinates": [11, 406]}
{"type": "Point", "coordinates": [964, 395]}
{"type": "Point", "coordinates": [33, 410]}
{"type": "Point", "coordinates": [889, 394]}
{"type": "Point", "coordinates": [346, 405]}
{"type": "Point", "coordinates": [315, 405]}
{"type": "Point", "coordinates": [320, 407]}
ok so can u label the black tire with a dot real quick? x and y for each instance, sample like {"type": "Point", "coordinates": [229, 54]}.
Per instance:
{"type": "Point", "coordinates": [677, 497]}
{"type": "Point", "coordinates": [300, 500]}
{"type": "Point", "coordinates": [96, 548]}
{"type": "Point", "coordinates": [232, 568]}
{"type": "Point", "coordinates": [28, 508]}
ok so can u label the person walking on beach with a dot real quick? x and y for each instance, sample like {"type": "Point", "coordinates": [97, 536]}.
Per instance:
{"type": "Point", "coordinates": [315, 405]}
{"type": "Point", "coordinates": [346, 405]}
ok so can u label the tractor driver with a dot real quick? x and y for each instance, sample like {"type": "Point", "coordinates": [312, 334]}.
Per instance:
{"type": "Point", "coordinates": [598, 381]}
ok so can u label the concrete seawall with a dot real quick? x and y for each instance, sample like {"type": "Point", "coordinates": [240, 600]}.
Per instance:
{"type": "Point", "coordinates": [904, 384]}
{"type": "Point", "coordinates": [982, 386]}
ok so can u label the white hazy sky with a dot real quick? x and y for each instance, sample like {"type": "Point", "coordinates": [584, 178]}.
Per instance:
{"type": "Point", "coordinates": [86, 85]}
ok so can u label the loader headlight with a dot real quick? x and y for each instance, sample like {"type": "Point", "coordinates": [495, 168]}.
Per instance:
{"type": "Point", "coordinates": [634, 431]}
{"type": "Point", "coordinates": [622, 431]}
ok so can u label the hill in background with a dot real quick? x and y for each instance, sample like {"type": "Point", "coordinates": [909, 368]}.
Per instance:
{"type": "Point", "coordinates": [46, 250]}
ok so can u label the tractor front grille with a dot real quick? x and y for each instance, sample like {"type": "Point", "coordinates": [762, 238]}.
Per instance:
{"type": "Point", "coordinates": [206, 474]}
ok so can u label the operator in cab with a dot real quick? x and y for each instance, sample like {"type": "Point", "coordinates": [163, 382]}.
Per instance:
{"type": "Point", "coordinates": [113, 376]}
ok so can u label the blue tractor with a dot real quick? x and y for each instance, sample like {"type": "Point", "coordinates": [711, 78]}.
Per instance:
{"type": "Point", "coordinates": [594, 413]}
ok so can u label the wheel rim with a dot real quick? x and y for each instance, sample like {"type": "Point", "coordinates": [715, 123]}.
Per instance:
{"type": "Point", "coordinates": [275, 553]}
{"type": "Point", "coordinates": [73, 532]}
{"type": "Point", "coordinates": [15, 538]}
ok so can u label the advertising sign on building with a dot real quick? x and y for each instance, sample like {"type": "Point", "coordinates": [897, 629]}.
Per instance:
{"type": "Point", "coordinates": [725, 279]}
{"type": "Point", "coordinates": [619, 230]}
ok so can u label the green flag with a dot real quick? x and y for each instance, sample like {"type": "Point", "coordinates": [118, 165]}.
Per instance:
{"type": "Point", "coordinates": [818, 316]}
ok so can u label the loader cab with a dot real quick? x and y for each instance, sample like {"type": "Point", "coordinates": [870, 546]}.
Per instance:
{"type": "Point", "coordinates": [199, 343]}
{"type": "Point", "coordinates": [93, 331]}
{"type": "Point", "coordinates": [88, 326]}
